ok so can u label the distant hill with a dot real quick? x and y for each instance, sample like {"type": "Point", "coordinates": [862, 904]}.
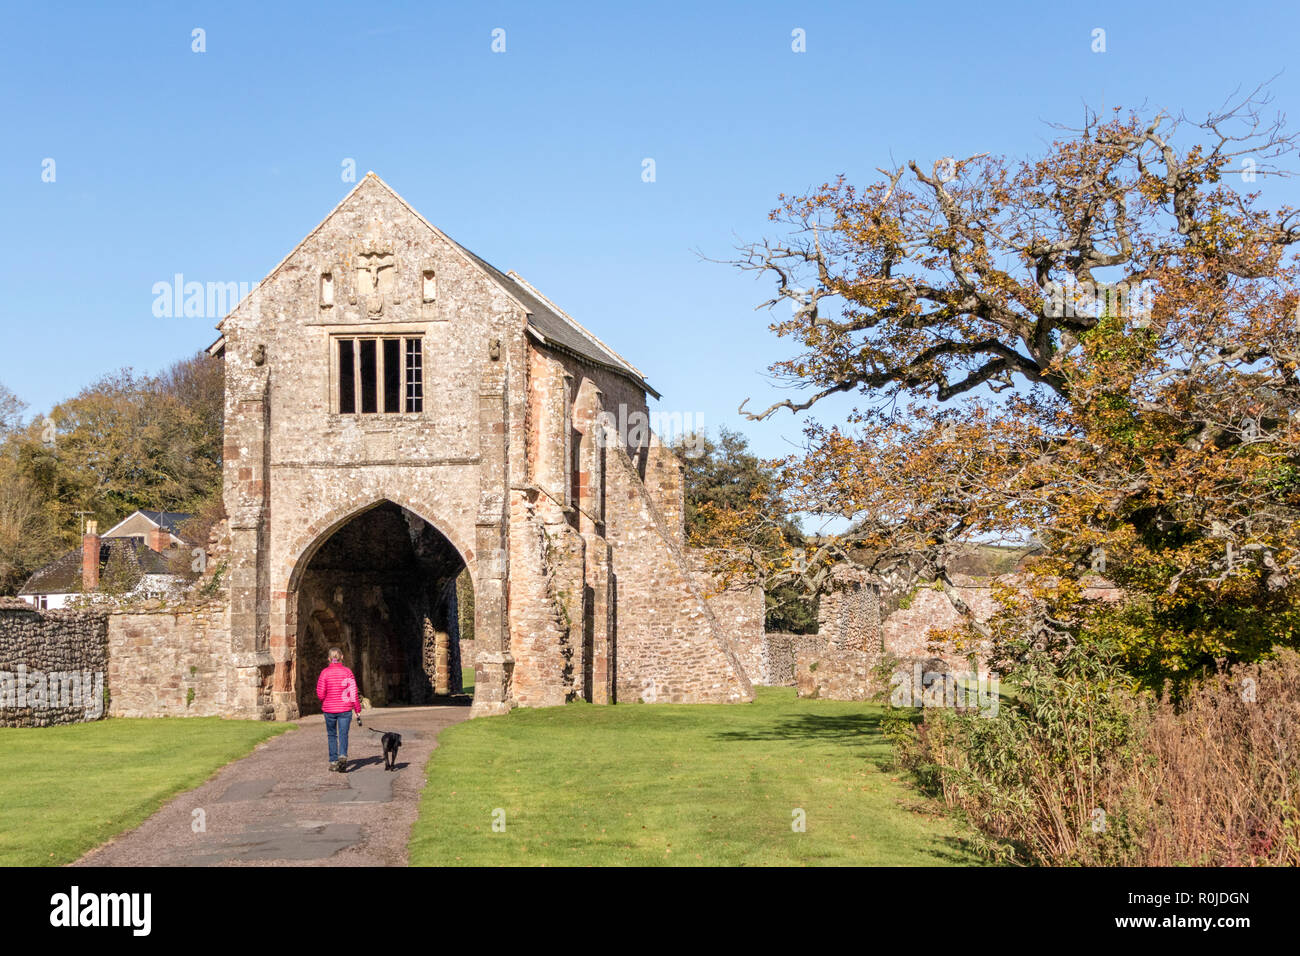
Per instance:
{"type": "Point", "coordinates": [990, 560]}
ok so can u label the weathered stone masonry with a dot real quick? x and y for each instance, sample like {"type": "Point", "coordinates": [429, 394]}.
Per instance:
{"type": "Point", "coordinates": [857, 635]}
{"type": "Point", "coordinates": [571, 535]}
{"type": "Point", "coordinates": [175, 662]}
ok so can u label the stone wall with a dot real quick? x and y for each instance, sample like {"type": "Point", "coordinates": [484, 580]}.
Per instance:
{"type": "Point", "coordinates": [740, 612]}
{"type": "Point", "coordinates": [53, 665]}
{"type": "Point", "coordinates": [782, 649]}
{"type": "Point", "coordinates": [835, 674]}
{"type": "Point", "coordinates": [914, 631]}
{"type": "Point", "coordinates": [669, 645]}
{"type": "Point", "coordinates": [546, 603]}
{"type": "Point", "coordinates": [665, 482]}
{"type": "Point", "coordinates": [842, 665]}
{"type": "Point", "coordinates": [848, 616]}
{"type": "Point", "coordinates": [177, 662]}
{"type": "Point", "coordinates": [910, 632]}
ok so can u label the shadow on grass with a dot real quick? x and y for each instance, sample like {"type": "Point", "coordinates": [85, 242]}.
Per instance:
{"type": "Point", "coordinates": [959, 852]}
{"type": "Point", "coordinates": [846, 729]}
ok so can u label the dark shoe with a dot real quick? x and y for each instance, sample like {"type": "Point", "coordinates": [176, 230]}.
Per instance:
{"type": "Point", "coordinates": [342, 764]}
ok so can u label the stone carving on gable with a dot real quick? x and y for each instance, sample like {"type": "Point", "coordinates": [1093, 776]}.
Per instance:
{"type": "Point", "coordinates": [376, 273]}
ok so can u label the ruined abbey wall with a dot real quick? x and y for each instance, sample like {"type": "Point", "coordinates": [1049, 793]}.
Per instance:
{"type": "Point", "coordinates": [670, 647]}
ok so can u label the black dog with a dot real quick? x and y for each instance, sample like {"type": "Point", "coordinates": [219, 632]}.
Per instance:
{"type": "Point", "coordinates": [390, 742]}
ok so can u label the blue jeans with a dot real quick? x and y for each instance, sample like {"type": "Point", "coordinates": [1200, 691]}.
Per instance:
{"type": "Point", "coordinates": [336, 729]}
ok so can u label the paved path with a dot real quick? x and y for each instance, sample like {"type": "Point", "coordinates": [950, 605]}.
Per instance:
{"type": "Point", "coordinates": [281, 806]}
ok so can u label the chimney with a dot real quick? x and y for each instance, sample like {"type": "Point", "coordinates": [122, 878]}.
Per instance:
{"type": "Point", "coordinates": [159, 539]}
{"type": "Point", "coordinates": [90, 557]}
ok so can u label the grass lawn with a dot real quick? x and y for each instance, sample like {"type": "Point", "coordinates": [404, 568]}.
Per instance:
{"type": "Point", "coordinates": [656, 784]}
{"type": "Point", "coordinates": [65, 790]}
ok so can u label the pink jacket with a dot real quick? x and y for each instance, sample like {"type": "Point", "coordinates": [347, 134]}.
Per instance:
{"type": "Point", "coordinates": [337, 690]}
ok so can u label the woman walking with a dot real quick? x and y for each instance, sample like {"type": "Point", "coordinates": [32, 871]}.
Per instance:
{"type": "Point", "coordinates": [339, 697]}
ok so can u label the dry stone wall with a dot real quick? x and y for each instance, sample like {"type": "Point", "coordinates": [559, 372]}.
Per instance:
{"type": "Point", "coordinates": [53, 665]}
{"type": "Point", "coordinates": [848, 617]}
{"type": "Point", "coordinates": [783, 649]}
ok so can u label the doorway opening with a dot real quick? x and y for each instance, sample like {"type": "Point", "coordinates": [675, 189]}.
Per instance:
{"type": "Point", "coordinates": [387, 588]}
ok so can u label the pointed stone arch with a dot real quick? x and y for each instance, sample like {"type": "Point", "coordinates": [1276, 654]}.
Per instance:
{"type": "Point", "coordinates": [317, 532]}
{"type": "Point", "coordinates": [291, 619]}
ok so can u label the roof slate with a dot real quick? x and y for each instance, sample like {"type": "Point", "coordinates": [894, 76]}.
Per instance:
{"type": "Point", "coordinates": [63, 575]}
{"type": "Point", "coordinates": [168, 520]}
{"type": "Point", "coordinates": [556, 327]}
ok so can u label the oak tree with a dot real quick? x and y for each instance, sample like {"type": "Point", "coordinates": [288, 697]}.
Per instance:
{"type": "Point", "coordinates": [1095, 349]}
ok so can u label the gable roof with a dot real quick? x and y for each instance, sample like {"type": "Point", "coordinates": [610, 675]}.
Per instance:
{"type": "Point", "coordinates": [63, 575]}
{"type": "Point", "coordinates": [552, 326]}
{"type": "Point", "coordinates": [547, 323]}
{"type": "Point", "coordinates": [169, 521]}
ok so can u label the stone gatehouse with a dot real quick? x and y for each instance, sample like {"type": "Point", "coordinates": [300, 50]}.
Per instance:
{"type": "Point", "coordinates": [407, 426]}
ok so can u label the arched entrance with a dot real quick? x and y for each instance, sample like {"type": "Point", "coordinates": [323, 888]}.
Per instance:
{"type": "Point", "coordinates": [387, 588]}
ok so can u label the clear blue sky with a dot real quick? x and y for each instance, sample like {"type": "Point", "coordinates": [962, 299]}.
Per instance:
{"type": "Point", "coordinates": [216, 164]}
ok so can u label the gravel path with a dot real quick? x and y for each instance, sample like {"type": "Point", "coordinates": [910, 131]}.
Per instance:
{"type": "Point", "coordinates": [281, 806]}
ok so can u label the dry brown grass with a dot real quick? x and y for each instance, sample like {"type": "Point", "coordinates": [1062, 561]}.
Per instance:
{"type": "Point", "coordinates": [1222, 781]}
{"type": "Point", "coordinates": [1080, 771]}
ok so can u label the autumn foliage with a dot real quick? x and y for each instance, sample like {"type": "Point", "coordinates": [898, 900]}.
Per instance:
{"type": "Point", "coordinates": [125, 442]}
{"type": "Point", "coordinates": [1094, 350]}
